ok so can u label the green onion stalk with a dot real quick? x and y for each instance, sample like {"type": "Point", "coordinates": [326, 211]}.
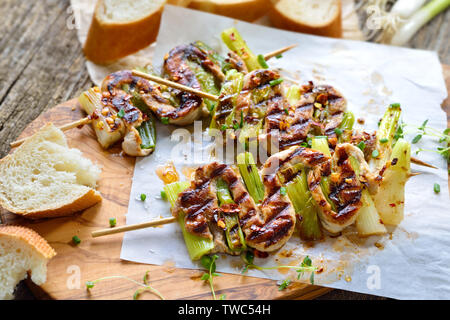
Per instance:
{"type": "Point", "coordinates": [234, 41]}
{"type": "Point", "coordinates": [195, 245]}
{"type": "Point", "coordinates": [415, 22]}
{"type": "Point", "coordinates": [233, 232]}
{"type": "Point", "coordinates": [386, 134]}
{"type": "Point", "coordinates": [320, 143]}
{"type": "Point", "coordinates": [222, 116]}
{"type": "Point", "coordinates": [250, 175]}
{"type": "Point", "coordinates": [305, 207]}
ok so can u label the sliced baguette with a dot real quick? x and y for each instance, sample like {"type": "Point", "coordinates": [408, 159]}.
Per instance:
{"type": "Point", "coordinates": [247, 10]}
{"type": "Point", "coordinates": [122, 27]}
{"type": "Point", "coordinates": [320, 17]}
{"type": "Point", "coordinates": [22, 250]}
{"type": "Point", "coordinates": [44, 178]}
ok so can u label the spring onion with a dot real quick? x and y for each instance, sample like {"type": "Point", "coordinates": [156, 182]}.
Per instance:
{"type": "Point", "coordinates": [390, 198]}
{"type": "Point", "coordinates": [305, 207]}
{"type": "Point", "coordinates": [421, 17]}
{"type": "Point", "coordinates": [234, 41]}
{"type": "Point", "coordinates": [196, 246]}
{"type": "Point", "coordinates": [250, 175]}
{"type": "Point", "coordinates": [147, 132]}
{"type": "Point", "coordinates": [233, 232]}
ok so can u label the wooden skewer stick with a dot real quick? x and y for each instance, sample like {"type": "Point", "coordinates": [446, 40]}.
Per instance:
{"type": "Point", "coordinates": [137, 226]}
{"type": "Point", "coordinates": [279, 51]}
{"type": "Point", "coordinates": [422, 163]}
{"type": "Point", "coordinates": [175, 85]}
{"type": "Point", "coordinates": [65, 127]}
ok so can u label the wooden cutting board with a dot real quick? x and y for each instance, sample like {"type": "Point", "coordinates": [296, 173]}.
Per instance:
{"type": "Point", "coordinates": [96, 258]}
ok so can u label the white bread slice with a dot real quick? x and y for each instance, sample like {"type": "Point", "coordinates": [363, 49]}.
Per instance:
{"type": "Point", "coordinates": [320, 17]}
{"type": "Point", "coordinates": [21, 250]}
{"type": "Point", "coordinates": [122, 27]}
{"type": "Point", "coordinates": [44, 178]}
{"type": "Point", "coordinates": [247, 10]}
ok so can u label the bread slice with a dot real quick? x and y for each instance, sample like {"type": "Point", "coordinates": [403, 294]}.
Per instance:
{"type": "Point", "coordinates": [247, 10]}
{"type": "Point", "coordinates": [320, 17]}
{"type": "Point", "coordinates": [122, 27]}
{"type": "Point", "coordinates": [44, 178]}
{"type": "Point", "coordinates": [21, 250]}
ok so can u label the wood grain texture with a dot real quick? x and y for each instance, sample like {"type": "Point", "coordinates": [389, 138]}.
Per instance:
{"type": "Point", "coordinates": [99, 257]}
{"type": "Point", "coordinates": [41, 65]}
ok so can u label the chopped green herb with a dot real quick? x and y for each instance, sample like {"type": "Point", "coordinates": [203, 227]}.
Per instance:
{"type": "Point", "coordinates": [275, 82]}
{"type": "Point", "coordinates": [165, 120]}
{"type": "Point", "coordinates": [338, 131]}
{"type": "Point", "coordinates": [283, 191]}
{"type": "Point", "coordinates": [384, 140]}
{"type": "Point", "coordinates": [279, 56]}
{"type": "Point", "coordinates": [304, 144]}
{"type": "Point", "coordinates": [112, 222]}
{"type": "Point", "coordinates": [76, 240]}
{"type": "Point", "coordinates": [286, 110]}
{"type": "Point", "coordinates": [163, 195]}
{"type": "Point", "coordinates": [416, 138]}
{"type": "Point", "coordinates": [284, 284]}
{"type": "Point", "coordinates": [143, 196]}
{"type": "Point", "coordinates": [375, 153]}
{"type": "Point", "coordinates": [361, 145]}
{"type": "Point", "coordinates": [262, 61]}
{"type": "Point", "coordinates": [121, 113]}
{"type": "Point", "coordinates": [437, 188]}
{"type": "Point", "coordinates": [395, 105]}
{"type": "Point", "coordinates": [223, 127]}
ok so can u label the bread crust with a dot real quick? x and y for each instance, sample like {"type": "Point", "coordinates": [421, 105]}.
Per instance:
{"type": "Point", "coordinates": [110, 41]}
{"type": "Point", "coordinates": [29, 236]}
{"type": "Point", "coordinates": [247, 10]}
{"type": "Point", "coordinates": [332, 29]}
{"type": "Point", "coordinates": [90, 198]}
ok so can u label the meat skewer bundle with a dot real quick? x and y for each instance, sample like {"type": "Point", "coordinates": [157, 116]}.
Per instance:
{"type": "Point", "coordinates": [326, 177]}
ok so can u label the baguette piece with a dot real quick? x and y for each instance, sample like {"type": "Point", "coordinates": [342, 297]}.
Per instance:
{"type": "Point", "coordinates": [247, 10]}
{"type": "Point", "coordinates": [122, 27]}
{"type": "Point", "coordinates": [44, 178]}
{"type": "Point", "coordinates": [319, 17]}
{"type": "Point", "coordinates": [22, 250]}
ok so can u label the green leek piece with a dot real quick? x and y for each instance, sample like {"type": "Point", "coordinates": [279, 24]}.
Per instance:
{"type": "Point", "coordinates": [233, 232]}
{"type": "Point", "coordinates": [147, 132]}
{"type": "Point", "coordinates": [386, 131]}
{"type": "Point", "coordinates": [348, 120]}
{"type": "Point", "coordinates": [320, 143]}
{"type": "Point", "coordinates": [293, 95]}
{"type": "Point", "coordinates": [207, 82]}
{"type": "Point", "coordinates": [250, 175]}
{"type": "Point", "coordinates": [214, 56]}
{"type": "Point", "coordinates": [195, 245]}
{"type": "Point", "coordinates": [305, 207]}
{"type": "Point", "coordinates": [231, 87]}
{"type": "Point", "coordinates": [368, 221]}
{"type": "Point", "coordinates": [390, 198]}
{"type": "Point", "coordinates": [234, 41]}
{"type": "Point", "coordinates": [223, 193]}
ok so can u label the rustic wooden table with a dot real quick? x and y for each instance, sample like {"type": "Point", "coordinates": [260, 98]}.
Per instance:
{"type": "Point", "coordinates": [41, 65]}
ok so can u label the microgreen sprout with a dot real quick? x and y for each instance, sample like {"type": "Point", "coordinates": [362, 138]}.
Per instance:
{"type": "Point", "coordinates": [305, 266]}
{"type": "Point", "coordinates": [145, 285]}
{"type": "Point", "coordinates": [284, 284]}
{"type": "Point", "coordinates": [209, 263]}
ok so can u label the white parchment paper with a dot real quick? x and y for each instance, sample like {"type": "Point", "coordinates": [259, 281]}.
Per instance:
{"type": "Point", "coordinates": [412, 262]}
{"type": "Point", "coordinates": [82, 10]}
